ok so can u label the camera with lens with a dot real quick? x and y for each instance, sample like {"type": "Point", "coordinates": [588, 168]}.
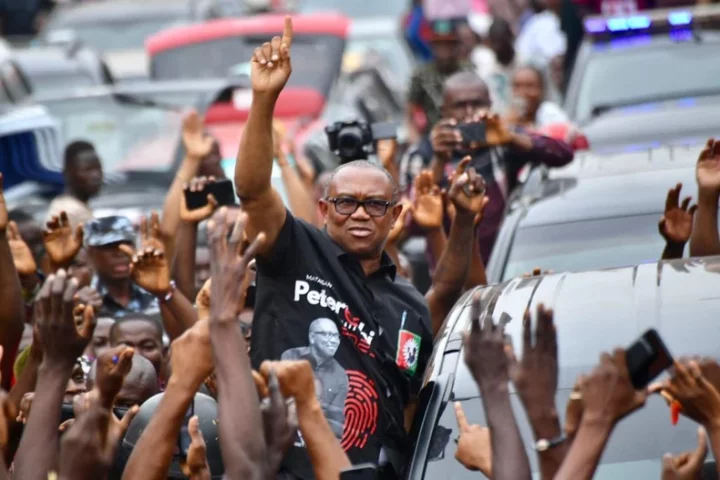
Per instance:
{"type": "Point", "coordinates": [355, 140]}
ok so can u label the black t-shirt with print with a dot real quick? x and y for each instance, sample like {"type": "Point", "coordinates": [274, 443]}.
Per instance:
{"type": "Point", "coordinates": [312, 294]}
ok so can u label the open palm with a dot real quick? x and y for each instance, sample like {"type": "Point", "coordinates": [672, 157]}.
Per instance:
{"type": "Point", "coordinates": [677, 221]}
{"type": "Point", "coordinates": [708, 167]}
{"type": "Point", "coordinates": [61, 242]}
{"type": "Point", "coordinates": [428, 207]}
{"type": "Point", "coordinates": [150, 270]}
{"type": "Point", "coordinates": [21, 254]}
{"type": "Point", "coordinates": [270, 65]}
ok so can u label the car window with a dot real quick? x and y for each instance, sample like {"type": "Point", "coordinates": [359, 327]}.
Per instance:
{"type": "Point", "coordinates": [678, 70]}
{"type": "Point", "coordinates": [355, 8]}
{"type": "Point", "coordinates": [108, 36]}
{"type": "Point", "coordinates": [315, 58]}
{"type": "Point", "coordinates": [585, 245]}
{"type": "Point", "coordinates": [44, 84]}
{"type": "Point", "coordinates": [127, 137]}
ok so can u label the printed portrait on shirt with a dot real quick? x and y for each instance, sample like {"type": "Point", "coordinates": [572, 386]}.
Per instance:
{"type": "Point", "coordinates": [331, 381]}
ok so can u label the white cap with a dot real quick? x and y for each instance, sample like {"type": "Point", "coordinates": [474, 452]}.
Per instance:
{"type": "Point", "coordinates": [480, 23]}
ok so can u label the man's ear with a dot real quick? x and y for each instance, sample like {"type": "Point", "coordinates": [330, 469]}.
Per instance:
{"type": "Point", "coordinates": [324, 208]}
{"type": "Point", "coordinates": [396, 211]}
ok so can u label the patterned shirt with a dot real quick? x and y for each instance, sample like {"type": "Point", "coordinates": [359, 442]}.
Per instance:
{"type": "Point", "coordinates": [141, 301]}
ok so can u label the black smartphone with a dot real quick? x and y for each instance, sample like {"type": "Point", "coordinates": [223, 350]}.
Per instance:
{"type": "Point", "coordinates": [184, 440]}
{"type": "Point", "coordinates": [222, 190]}
{"type": "Point", "coordinates": [383, 130]}
{"type": "Point", "coordinates": [362, 471]}
{"type": "Point", "coordinates": [474, 132]}
{"type": "Point", "coordinates": [647, 358]}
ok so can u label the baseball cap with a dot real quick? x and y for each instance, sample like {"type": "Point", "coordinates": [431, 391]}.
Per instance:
{"type": "Point", "coordinates": [445, 29]}
{"type": "Point", "coordinates": [108, 230]}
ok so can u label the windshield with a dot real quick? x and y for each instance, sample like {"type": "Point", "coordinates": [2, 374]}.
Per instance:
{"type": "Point", "coordinates": [675, 70]}
{"type": "Point", "coordinates": [585, 245]}
{"type": "Point", "coordinates": [109, 36]}
{"type": "Point", "coordinates": [127, 137]}
{"type": "Point", "coordinates": [355, 8]}
{"type": "Point", "coordinates": [316, 59]}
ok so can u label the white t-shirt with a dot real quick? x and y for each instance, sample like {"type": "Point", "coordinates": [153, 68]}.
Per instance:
{"type": "Point", "coordinates": [540, 40]}
{"type": "Point", "coordinates": [497, 77]}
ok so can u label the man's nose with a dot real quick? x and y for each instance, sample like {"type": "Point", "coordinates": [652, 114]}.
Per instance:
{"type": "Point", "coordinates": [360, 213]}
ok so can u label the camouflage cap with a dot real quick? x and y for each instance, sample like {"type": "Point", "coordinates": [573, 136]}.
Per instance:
{"type": "Point", "coordinates": [108, 230]}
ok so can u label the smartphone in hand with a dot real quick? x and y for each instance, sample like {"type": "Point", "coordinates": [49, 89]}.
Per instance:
{"type": "Point", "coordinates": [473, 133]}
{"type": "Point", "coordinates": [222, 190]}
{"type": "Point", "coordinates": [647, 358]}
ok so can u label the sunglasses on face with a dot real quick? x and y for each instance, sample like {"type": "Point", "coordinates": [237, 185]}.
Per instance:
{"type": "Point", "coordinates": [349, 205]}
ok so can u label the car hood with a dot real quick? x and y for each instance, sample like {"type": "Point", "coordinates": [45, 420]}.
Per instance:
{"type": "Point", "coordinates": [683, 121]}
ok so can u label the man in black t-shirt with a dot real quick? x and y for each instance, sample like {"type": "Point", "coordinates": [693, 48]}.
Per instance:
{"type": "Point", "coordinates": [382, 331]}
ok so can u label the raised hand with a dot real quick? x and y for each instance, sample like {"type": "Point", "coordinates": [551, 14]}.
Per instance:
{"type": "Point", "coordinates": [707, 170]}
{"type": "Point", "coordinates": [485, 350]}
{"type": "Point", "coordinates": [150, 270]}
{"type": "Point", "coordinates": [386, 150]}
{"type": "Point", "coordinates": [21, 254]}
{"type": "Point", "coordinates": [676, 223]}
{"type": "Point", "coordinates": [699, 399]}
{"type": "Point", "coordinates": [295, 378]}
{"type": "Point", "coordinates": [574, 409]}
{"type": "Point", "coordinates": [536, 375]}
{"type": "Point", "coordinates": [89, 296]}
{"type": "Point", "coordinates": [228, 266]}
{"type": "Point", "coordinates": [607, 392]}
{"type": "Point", "coordinates": [427, 210]}
{"type": "Point", "coordinates": [198, 184]}
{"type": "Point", "coordinates": [150, 233]}
{"type": "Point", "coordinates": [280, 422]}
{"type": "Point", "coordinates": [195, 466]}
{"type": "Point", "coordinates": [62, 342]}
{"type": "Point", "coordinates": [112, 367]}
{"type": "Point", "coordinates": [25, 405]}
{"type": "Point", "coordinates": [399, 225]}
{"type": "Point", "coordinates": [61, 243]}
{"type": "Point", "coordinates": [86, 452]}
{"type": "Point", "coordinates": [467, 190]}
{"type": "Point", "coordinates": [270, 64]}
{"type": "Point", "coordinates": [198, 144]}
{"type": "Point", "coordinates": [474, 451]}
{"type": "Point", "coordinates": [688, 465]}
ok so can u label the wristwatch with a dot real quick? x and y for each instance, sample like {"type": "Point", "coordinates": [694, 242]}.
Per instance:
{"type": "Point", "coordinates": [543, 444]}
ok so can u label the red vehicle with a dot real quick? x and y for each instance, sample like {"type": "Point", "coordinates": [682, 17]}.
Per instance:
{"type": "Point", "coordinates": [224, 48]}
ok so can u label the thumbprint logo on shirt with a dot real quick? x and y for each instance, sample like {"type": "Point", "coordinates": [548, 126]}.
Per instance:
{"type": "Point", "coordinates": [361, 410]}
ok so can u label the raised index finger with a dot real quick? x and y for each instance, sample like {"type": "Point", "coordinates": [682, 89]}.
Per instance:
{"type": "Point", "coordinates": [287, 37]}
{"type": "Point", "coordinates": [462, 422]}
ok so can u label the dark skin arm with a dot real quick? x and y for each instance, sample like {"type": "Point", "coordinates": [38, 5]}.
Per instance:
{"type": "Point", "coordinates": [608, 396]}
{"type": "Point", "coordinates": [270, 71]}
{"type": "Point", "coordinates": [477, 274]}
{"type": "Point", "coordinates": [191, 364]}
{"type": "Point", "coordinates": [705, 240]}
{"type": "Point", "coordinates": [184, 264]}
{"type": "Point", "coordinates": [62, 343]}
{"type": "Point", "coordinates": [488, 363]}
{"type": "Point", "coordinates": [467, 194]}
{"type": "Point", "coordinates": [12, 315]}
{"type": "Point", "coordinates": [239, 409]}
{"type": "Point", "coordinates": [676, 224]}
{"type": "Point", "coordinates": [301, 201]}
{"type": "Point", "coordinates": [535, 378]}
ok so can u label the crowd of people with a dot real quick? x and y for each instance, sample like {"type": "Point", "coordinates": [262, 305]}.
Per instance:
{"type": "Point", "coordinates": [265, 340]}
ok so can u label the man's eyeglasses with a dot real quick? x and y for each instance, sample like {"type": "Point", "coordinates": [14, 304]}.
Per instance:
{"type": "Point", "coordinates": [348, 205]}
{"type": "Point", "coordinates": [328, 335]}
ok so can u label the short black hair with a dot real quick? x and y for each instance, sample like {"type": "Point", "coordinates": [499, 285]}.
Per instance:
{"type": "Point", "coordinates": [137, 316]}
{"type": "Point", "coordinates": [74, 149]}
{"type": "Point", "coordinates": [463, 78]}
{"type": "Point", "coordinates": [500, 29]}
{"type": "Point", "coordinates": [363, 164]}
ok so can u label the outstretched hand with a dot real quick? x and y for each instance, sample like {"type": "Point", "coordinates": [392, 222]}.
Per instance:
{"type": "Point", "coordinates": [428, 207]}
{"type": "Point", "coordinates": [676, 223]}
{"type": "Point", "coordinates": [707, 170]}
{"type": "Point", "coordinates": [270, 64]}
{"type": "Point", "coordinates": [198, 144]}
{"type": "Point", "coordinates": [294, 376]}
{"type": "Point", "coordinates": [280, 420]}
{"type": "Point", "coordinates": [467, 190]}
{"type": "Point", "coordinates": [197, 215]}
{"type": "Point", "coordinates": [112, 367]}
{"type": "Point", "coordinates": [195, 466]}
{"type": "Point", "coordinates": [485, 350]}
{"type": "Point", "coordinates": [22, 256]}
{"type": "Point", "coordinates": [61, 242]}
{"type": "Point", "coordinates": [688, 465]}
{"type": "Point", "coordinates": [149, 269]}
{"type": "Point", "coordinates": [474, 449]}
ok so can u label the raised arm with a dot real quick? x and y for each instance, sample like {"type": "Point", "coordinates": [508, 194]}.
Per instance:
{"type": "Point", "coordinates": [705, 240]}
{"type": "Point", "coordinates": [12, 314]}
{"type": "Point", "coordinates": [676, 224]}
{"type": "Point", "coordinates": [270, 70]}
{"type": "Point", "coordinates": [299, 195]}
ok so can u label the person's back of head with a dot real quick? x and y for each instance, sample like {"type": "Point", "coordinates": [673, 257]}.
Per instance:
{"type": "Point", "coordinates": [501, 40]}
